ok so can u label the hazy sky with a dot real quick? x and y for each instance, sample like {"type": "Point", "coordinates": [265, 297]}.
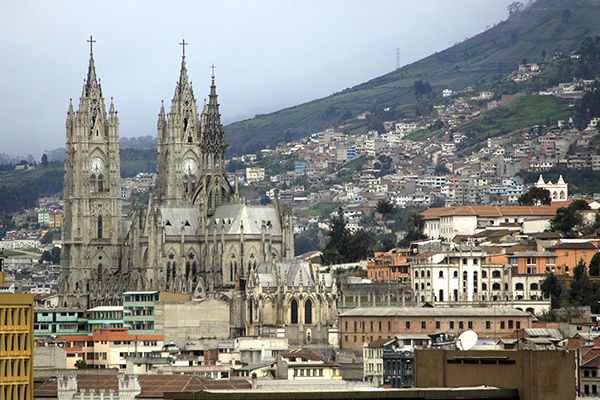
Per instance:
{"type": "Point", "coordinates": [268, 54]}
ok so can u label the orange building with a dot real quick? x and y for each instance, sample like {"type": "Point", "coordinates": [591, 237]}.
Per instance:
{"type": "Point", "coordinates": [569, 253]}
{"type": "Point", "coordinates": [533, 262]}
{"type": "Point", "coordinates": [393, 265]}
{"type": "Point", "coordinates": [110, 347]}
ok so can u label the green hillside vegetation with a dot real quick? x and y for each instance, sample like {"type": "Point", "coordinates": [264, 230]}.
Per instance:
{"type": "Point", "coordinates": [22, 188]}
{"type": "Point", "coordinates": [546, 28]}
{"type": "Point", "coordinates": [523, 112]}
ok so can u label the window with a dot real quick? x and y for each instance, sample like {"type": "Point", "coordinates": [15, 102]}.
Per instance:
{"type": "Point", "coordinates": [510, 324]}
{"type": "Point", "coordinates": [470, 324]}
{"type": "Point", "coordinates": [484, 274]}
{"type": "Point", "coordinates": [407, 324]}
{"type": "Point", "coordinates": [437, 324]}
{"type": "Point", "coordinates": [441, 274]}
{"type": "Point", "coordinates": [423, 325]}
{"type": "Point", "coordinates": [496, 274]}
{"type": "Point", "coordinates": [518, 324]}
{"type": "Point", "coordinates": [502, 325]}
{"type": "Point", "coordinates": [428, 273]}
{"type": "Point", "coordinates": [456, 274]}
{"type": "Point", "coordinates": [308, 312]}
{"type": "Point", "coordinates": [534, 286]}
{"type": "Point", "coordinates": [294, 312]}
{"type": "Point", "coordinates": [519, 286]}
{"type": "Point", "coordinates": [566, 254]}
{"type": "Point", "coordinates": [460, 325]}
{"type": "Point", "coordinates": [451, 324]}
{"type": "Point", "coordinates": [583, 254]}
{"type": "Point", "coordinates": [488, 325]}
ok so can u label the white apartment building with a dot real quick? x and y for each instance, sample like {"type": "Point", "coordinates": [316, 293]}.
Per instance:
{"type": "Point", "coordinates": [448, 222]}
{"type": "Point", "coordinates": [464, 275]}
{"type": "Point", "coordinates": [255, 174]}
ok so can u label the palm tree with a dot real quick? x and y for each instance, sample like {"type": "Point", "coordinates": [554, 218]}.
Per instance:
{"type": "Point", "coordinates": [416, 222]}
{"type": "Point", "coordinates": [384, 207]}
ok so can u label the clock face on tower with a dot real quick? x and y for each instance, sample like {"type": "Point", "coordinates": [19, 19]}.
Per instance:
{"type": "Point", "coordinates": [189, 166]}
{"type": "Point", "coordinates": [96, 164]}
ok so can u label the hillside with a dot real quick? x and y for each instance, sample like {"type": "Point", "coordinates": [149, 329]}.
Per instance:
{"type": "Point", "coordinates": [549, 26]}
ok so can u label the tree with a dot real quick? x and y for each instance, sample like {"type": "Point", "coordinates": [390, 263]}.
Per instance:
{"type": "Point", "coordinates": [581, 293]}
{"type": "Point", "coordinates": [55, 255]}
{"type": "Point", "coordinates": [44, 160]}
{"type": "Point", "coordinates": [384, 207]}
{"type": "Point", "coordinates": [515, 8]}
{"type": "Point", "coordinates": [438, 203]}
{"type": "Point", "coordinates": [441, 169]}
{"type": "Point", "coordinates": [416, 222]}
{"type": "Point", "coordinates": [410, 236]}
{"type": "Point", "coordinates": [566, 221]}
{"type": "Point", "coordinates": [80, 364]}
{"type": "Point", "coordinates": [594, 267]}
{"type": "Point", "coordinates": [336, 250]}
{"type": "Point", "coordinates": [264, 200]}
{"type": "Point", "coordinates": [535, 196]}
{"type": "Point", "coordinates": [579, 205]}
{"type": "Point", "coordinates": [360, 245]}
{"type": "Point", "coordinates": [551, 289]}
{"type": "Point", "coordinates": [422, 89]}
{"type": "Point", "coordinates": [47, 238]}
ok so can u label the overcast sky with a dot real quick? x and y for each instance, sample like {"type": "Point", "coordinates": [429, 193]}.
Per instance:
{"type": "Point", "coordinates": [268, 54]}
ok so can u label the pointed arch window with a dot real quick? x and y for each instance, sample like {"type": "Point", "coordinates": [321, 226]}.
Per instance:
{"type": "Point", "coordinates": [294, 311]}
{"type": "Point", "coordinates": [100, 183]}
{"type": "Point", "coordinates": [99, 276]}
{"type": "Point", "coordinates": [168, 271]}
{"type": "Point", "coordinates": [308, 312]}
{"type": "Point", "coordinates": [100, 227]}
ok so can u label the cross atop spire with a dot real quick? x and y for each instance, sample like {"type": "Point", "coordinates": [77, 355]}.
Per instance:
{"type": "Point", "coordinates": [212, 68]}
{"type": "Point", "coordinates": [91, 42]}
{"type": "Point", "coordinates": [183, 44]}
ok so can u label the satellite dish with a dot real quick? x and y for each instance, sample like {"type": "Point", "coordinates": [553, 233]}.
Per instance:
{"type": "Point", "coordinates": [437, 258]}
{"type": "Point", "coordinates": [466, 340]}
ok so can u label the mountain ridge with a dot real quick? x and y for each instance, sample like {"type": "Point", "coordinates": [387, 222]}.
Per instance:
{"type": "Point", "coordinates": [547, 26]}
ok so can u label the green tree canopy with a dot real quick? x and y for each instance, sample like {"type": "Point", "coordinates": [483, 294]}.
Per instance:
{"type": "Point", "coordinates": [567, 221]}
{"type": "Point", "coordinates": [535, 196]}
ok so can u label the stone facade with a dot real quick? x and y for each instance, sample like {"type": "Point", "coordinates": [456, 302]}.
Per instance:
{"type": "Point", "coordinates": [196, 235]}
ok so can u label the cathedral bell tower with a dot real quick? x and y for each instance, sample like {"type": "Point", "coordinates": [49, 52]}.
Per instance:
{"type": "Point", "coordinates": [179, 155]}
{"type": "Point", "coordinates": [92, 196]}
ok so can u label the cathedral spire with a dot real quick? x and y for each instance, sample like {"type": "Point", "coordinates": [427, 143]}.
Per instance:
{"type": "Point", "coordinates": [91, 76]}
{"type": "Point", "coordinates": [183, 75]}
{"type": "Point", "coordinates": [213, 135]}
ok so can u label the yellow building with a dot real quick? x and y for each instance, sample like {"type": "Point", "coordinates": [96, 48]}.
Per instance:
{"type": "Point", "coordinates": [16, 346]}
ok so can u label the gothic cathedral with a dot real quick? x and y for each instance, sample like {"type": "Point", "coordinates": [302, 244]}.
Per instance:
{"type": "Point", "coordinates": [196, 234]}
